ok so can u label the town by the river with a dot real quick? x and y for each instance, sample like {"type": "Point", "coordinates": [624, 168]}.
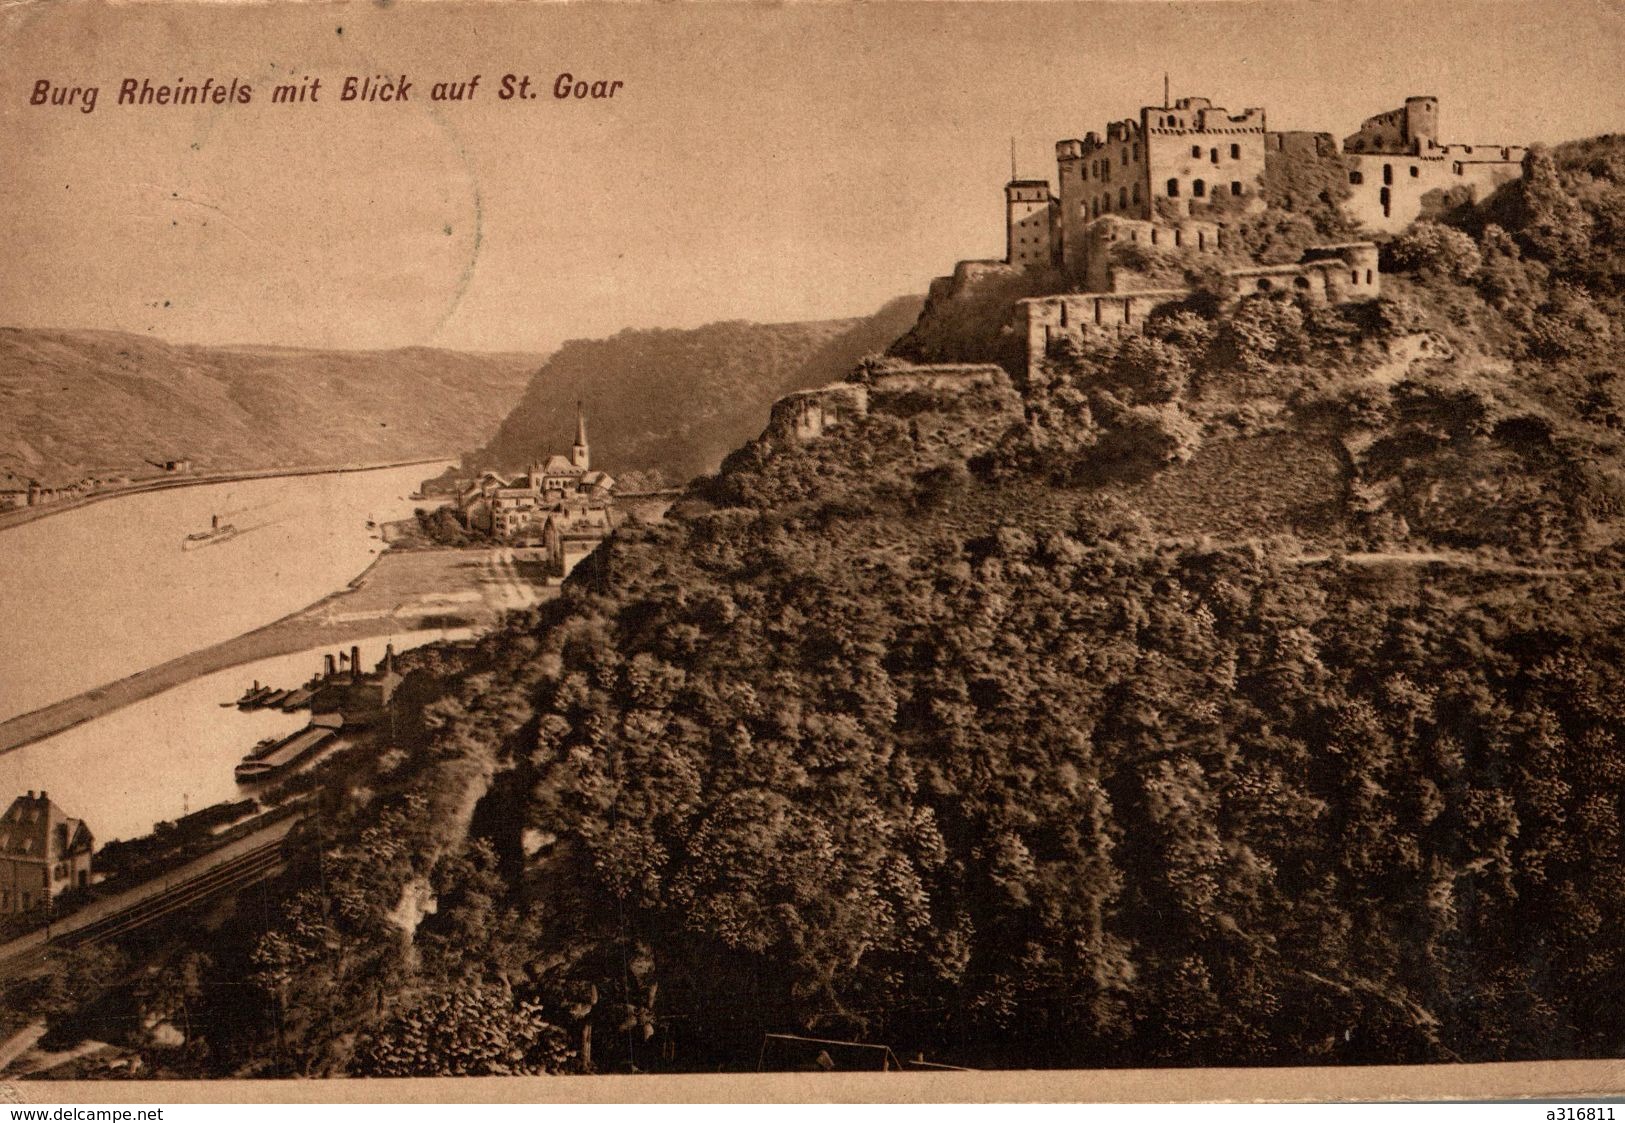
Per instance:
{"type": "Point", "coordinates": [100, 592]}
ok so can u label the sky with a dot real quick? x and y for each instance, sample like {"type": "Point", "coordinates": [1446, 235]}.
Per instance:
{"type": "Point", "coordinates": [761, 161]}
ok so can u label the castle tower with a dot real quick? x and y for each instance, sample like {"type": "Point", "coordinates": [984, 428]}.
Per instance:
{"type": "Point", "coordinates": [579, 456]}
{"type": "Point", "coordinates": [1029, 223]}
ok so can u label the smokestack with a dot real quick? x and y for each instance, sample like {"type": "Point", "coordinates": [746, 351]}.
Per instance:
{"type": "Point", "coordinates": [355, 663]}
{"type": "Point", "coordinates": [330, 665]}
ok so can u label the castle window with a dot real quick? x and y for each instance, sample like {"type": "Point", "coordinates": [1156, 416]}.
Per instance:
{"type": "Point", "coordinates": [1136, 151]}
{"type": "Point", "coordinates": [1122, 198]}
{"type": "Point", "coordinates": [1125, 157]}
{"type": "Point", "coordinates": [1196, 151]}
{"type": "Point", "coordinates": [1354, 276]}
{"type": "Point", "coordinates": [1235, 187]}
{"type": "Point", "coordinates": [1179, 236]}
{"type": "Point", "coordinates": [1387, 203]}
{"type": "Point", "coordinates": [1368, 276]}
{"type": "Point", "coordinates": [1094, 208]}
{"type": "Point", "coordinates": [1235, 151]}
{"type": "Point", "coordinates": [1415, 171]}
{"type": "Point", "coordinates": [1458, 167]}
{"type": "Point", "coordinates": [1136, 195]}
{"type": "Point", "coordinates": [1199, 188]}
{"type": "Point", "coordinates": [1173, 189]}
{"type": "Point", "coordinates": [1213, 155]}
{"type": "Point", "coordinates": [1153, 235]}
{"type": "Point", "coordinates": [1106, 202]}
{"type": "Point", "coordinates": [1388, 173]}
{"type": "Point", "coordinates": [1301, 282]}
{"type": "Point", "coordinates": [1264, 284]}
{"type": "Point", "coordinates": [1201, 240]}
{"type": "Point", "coordinates": [1356, 178]}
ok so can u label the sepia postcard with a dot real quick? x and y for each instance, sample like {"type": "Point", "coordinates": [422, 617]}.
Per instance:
{"type": "Point", "coordinates": [931, 552]}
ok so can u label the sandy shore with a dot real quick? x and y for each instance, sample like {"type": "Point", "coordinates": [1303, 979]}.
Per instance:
{"type": "Point", "coordinates": [401, 592]}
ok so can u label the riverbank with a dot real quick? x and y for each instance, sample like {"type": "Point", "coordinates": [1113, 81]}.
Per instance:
{"type": "Point", "coordinates": [400, 592]}
{"type": "Point", "coordinates": [23, 515]}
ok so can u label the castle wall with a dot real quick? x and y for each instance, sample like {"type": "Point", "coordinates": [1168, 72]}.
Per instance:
{"type": "Point", "coordinates": [1083, 315]}
{"type": "Point", "coordinates": [1334, 274]}
{"type": "Point", "coordinates": [1388, 189]}
{"type": "Point", "coordinates": [1099, 176]}
{"type": "Point", "coordinates": [1198, 153]}
{"type": "Point", "coordinates": [806, 414]}
{"type": "Point", "coordinates": [1101, 274]}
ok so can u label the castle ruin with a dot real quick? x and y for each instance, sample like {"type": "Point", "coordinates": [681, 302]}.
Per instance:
{"type": "Point", "coordinates": [1163, 181]}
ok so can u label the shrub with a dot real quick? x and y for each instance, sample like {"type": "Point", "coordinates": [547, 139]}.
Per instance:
{"type": "Point", "coordinates": [1436, 251]}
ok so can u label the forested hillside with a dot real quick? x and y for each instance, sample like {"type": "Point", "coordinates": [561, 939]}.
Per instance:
{"type": "Point", "coordinates": [78, 402]}
{"type": "Point", "coordinates": [676, 401]}
{"type": "Point", "coordinates": [1246, 692]}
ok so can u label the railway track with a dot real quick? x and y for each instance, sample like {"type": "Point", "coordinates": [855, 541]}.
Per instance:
{"type": "Point", "coordinates": [240, 872]}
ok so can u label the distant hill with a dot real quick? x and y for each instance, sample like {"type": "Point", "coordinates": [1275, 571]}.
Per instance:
{"type": "Point", "coordinates": [677, 401]}
{"type": "Point", "coordinates": [78, 401]}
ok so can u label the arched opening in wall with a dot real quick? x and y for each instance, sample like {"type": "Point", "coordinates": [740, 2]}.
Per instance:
{"type": "Point", "coordinates": [1201, 239]}
{"type": "Point", "coordinates": [1063, 313]}
{"type": "Point", "coordinates": [1301, 283]}
{"type": "Point", "coordinates": [1136, 195]}
{"type": "Point", "coordinates": [1199, 188]}
{"type": "Point", "coordinates": [1354, 276]}
{"type": "Point", "coordinates": [1235, 151]}
{"type": "Point", "coordinates": [1213, 155]}
{"type": "Point", "coordinates": [1106, 203]}
{"type": "Point", "coordinates": [1094, 208]}
{"type": "Point", "coordinates": [1388, 174]}
{"type": "Point", "coordinates": [1196, 152]}
{"type": "Point", "coordinates": [1125, 157]}
{"type": "Point", "coordinates": [1387, 200]}
{"type": "Point", "coordinates": [1235, 187]}
{"type": "Point", "coordinates": [1097, 312]}
{"type": "Point", "coordinates": [1264, 284]}
{"type": "Point", "coordinates": [1136, 151]}
{"type": "Point", "coordinates": [1173, 189]}
{"type": "Point", "coordinates": [1122, 198]}
{"type": "Point", "coordinates": [1356, 178]}
{"type": "Point", "coordinates": [1368, 276]}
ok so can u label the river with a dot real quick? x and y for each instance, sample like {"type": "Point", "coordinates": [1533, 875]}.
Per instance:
{"type": "Point", "coordinates": [92, 594]}
{"type": "Point", "coordinates": [170, 753]}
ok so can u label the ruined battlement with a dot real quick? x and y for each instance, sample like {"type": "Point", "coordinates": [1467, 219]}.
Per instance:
{"type": "Point", "coordinates": [807, 414]}
{"type": "Point", "coordinates": [1328, 274]}
{"type": "Point", "coordinates": [937, 377]}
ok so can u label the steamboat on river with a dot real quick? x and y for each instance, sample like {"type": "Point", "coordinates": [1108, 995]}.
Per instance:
{"type": "Point", "coordinates": [216, 533]}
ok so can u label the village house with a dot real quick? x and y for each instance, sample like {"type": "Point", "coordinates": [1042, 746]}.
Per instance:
{"type": "Point", "coordinates": [43, 853]}
{"type": "Point", "coordinates": [516, 508]}
{"type": "Point", "coordinates": [560, 503]}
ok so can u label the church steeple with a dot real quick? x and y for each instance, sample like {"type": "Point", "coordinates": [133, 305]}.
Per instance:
{"type": "Point", "coordinates": [579, 455]}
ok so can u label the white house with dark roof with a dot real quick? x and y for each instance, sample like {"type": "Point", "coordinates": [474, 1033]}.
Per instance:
{"type": "Point", "coordinates": [44, 852]}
